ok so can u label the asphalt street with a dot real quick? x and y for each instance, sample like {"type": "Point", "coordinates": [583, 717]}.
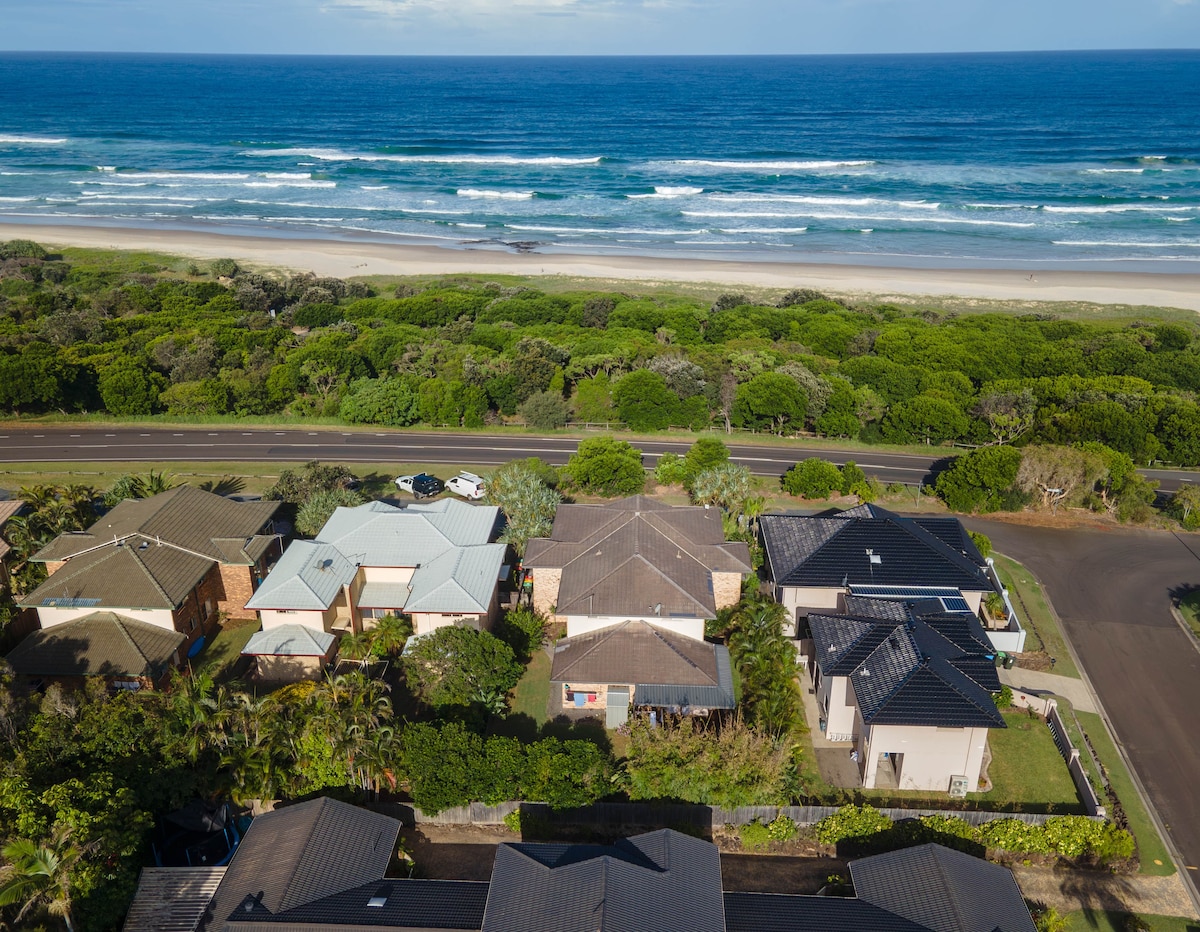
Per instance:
{"type": "Point", "coordinates": [84, 444]}
{"type": "Point", "coordinates": [78, 444]}
{"type": "Point", "coordinates": [1112, 588]}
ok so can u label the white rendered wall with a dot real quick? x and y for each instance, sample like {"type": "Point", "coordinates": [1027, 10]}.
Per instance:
{"type": "Point", "coordinates": [931, 755]}
{"type": "Point", "coordinates": [49, 617]}
{"type": "Point", "coordinates": [583, 624]}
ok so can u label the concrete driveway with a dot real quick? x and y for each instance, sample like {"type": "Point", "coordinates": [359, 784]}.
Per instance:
{"type": "Point", "coordinates": [1112, 588]}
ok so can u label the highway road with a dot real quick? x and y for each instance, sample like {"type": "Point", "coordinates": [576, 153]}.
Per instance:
{"type": "Point", "coordinates": [87, 444]}
{"type": "Point", "coordinates": [20, 444]}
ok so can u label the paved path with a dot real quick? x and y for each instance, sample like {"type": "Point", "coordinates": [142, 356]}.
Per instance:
{"type": "Point", "coordinates": [1068, 891]}
{"type": "Point", "coordinates": [1074, 690]}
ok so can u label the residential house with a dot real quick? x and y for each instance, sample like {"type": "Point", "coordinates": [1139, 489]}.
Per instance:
{"type": "Point", "coordinates": [174, 560]}
{"type": "Point", "coordinates": [321, 865]}
{"type": "Point", "coordinates": [128, 653]}
{"type": "Point", "coordinates": [814, 561]}
{"type": "Point", "coordinates": [433, 561]}
{"type": "Point", "coordinates": [287, 653]}
{"type": "Point", "coordinates": [636, 559]}
{"type": "Point", "coordinates": [909, 686]}
{"type": "Point", "coordinates": [635, 581]}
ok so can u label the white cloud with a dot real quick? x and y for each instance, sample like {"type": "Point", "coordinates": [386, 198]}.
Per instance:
{"type": "Point", "coordinates": [464, 11]}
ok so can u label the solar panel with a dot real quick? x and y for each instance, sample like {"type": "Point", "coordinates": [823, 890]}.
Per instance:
{"type": "Point", "coordinates": [905, 592]}
{"type": "Point", "coordinates": [68, 602]}
{"type": "Point", "coordinates": [956, 604]}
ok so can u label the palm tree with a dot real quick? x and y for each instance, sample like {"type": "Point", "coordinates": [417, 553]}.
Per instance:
{"type": "Point", "coordinates": [753, 508]}
{"type": "Point", "coordinates": [391, 633]}
{"type": "Point", "coordinates": [40, 875]}
{"type": "Point", "coordinates": [156, 482]}
{"type": "Point", "coordinates": [356, 648]}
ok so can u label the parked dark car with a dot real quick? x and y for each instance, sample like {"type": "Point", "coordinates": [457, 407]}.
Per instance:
{"type": "Point", "coordinates": [421, 485]}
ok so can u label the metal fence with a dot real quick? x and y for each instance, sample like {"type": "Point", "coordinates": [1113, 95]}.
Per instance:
{"type": "Point", "coordinates": [622, 816]}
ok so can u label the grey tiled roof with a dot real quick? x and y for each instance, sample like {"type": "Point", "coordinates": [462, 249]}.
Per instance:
{"type": "Point", "coordinates": [99, 644]}
{"type": "Point", "coordinates": [626, 557]}
{"type": "Point", "coordinates": [943, 890]}
{"type": "Point", "coordinates": [935, 669]}
{"type": "Point", "coordinates": [641, 654]}
{"type": "Point", "coordinates": [829, 551]}
{"type": "Point", "coordinates": [659, 882]}
{"type": "Point", "coordinates": [309, 575]}
{"type": "Point", "coordinates": [299, 854]}
{"type": "Point", "coordinates": [407, 905]}
{"type": "Point", "coordinates": [447, 542]}
{"type": "Point", "coordinates": [289, 641]}
{"type": "Point", "coordinates": [769, 912]}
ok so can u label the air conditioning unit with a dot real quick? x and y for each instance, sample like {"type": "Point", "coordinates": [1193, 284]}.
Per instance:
{"type": "Point", "coordinates": [959, 785]}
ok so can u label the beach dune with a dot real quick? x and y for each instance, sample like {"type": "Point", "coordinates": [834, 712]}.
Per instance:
{"type": "Point", "coordinates": [348, 258]}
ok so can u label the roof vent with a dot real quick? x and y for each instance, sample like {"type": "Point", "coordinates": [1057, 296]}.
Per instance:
{"type": "Point", "coordinates": [379, 900]}
{"type": "Point", "coordinates": [874, 558]}
{"type": "Point", "coordinates": [143, 545]}
{"type": "Point", "coordinates": [866, 672]}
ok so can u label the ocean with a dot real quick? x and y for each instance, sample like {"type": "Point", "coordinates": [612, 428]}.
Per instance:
{"type": "Point", "coordinates": [1073, 160]}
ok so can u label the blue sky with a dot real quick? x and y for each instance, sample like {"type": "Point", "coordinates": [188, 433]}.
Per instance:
{"type": "Point", "coordinates": [594, 26]}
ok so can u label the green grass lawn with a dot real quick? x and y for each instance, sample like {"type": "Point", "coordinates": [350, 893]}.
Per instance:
{"type": "Point", "coordinates": [1027, 772]}
{"type": "Point", "coordinates": [532, 694]}
{"type": "Point", "coordinates": [1094, 920]}
{"type": "Point", "coordinates": [225, 649]}
{"type": "Point", "coordinates": [1153, 853]}
{"type": "Point", "coordinates": [1036, 615]}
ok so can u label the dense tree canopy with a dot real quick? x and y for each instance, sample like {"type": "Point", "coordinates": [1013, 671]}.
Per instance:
{"type": "Point", "coordinates": [130, 337]}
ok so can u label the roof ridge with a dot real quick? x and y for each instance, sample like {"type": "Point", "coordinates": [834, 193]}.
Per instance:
{"type": "Point", "coordinates": [914, 530]}
{"type": "Point", "coordinates": [959, 919]}
{"type": "Point", "coordinates": [120, 623]}
{"type": "Point", "coordinates": [603, 634]}
{"type": "Point", "coordinates": [691, 598]}
{"type": "Point", "coordinates": [688, 660]}
{"type": "Point", "coordinates": [138, 561]}
{"type": "Point", "coordinates": [619, 522]}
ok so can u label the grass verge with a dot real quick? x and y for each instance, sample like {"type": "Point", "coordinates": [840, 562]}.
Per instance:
{"type": "Point", "coordinates": [1154, 857]}
{"type": "Point", "coordinates": [1095, 920]}
{"type": "Point", "coordinates": [1036, 614]}
{"type": "Point", "coordinates": [1189, 608]}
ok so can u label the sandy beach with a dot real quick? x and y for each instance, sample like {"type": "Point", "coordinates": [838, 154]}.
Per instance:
{"type": "Point", "coordinates": [346, 259]}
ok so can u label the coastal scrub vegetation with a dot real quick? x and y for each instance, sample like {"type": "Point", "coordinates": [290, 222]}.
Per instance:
{"type": "Point", "coordinates": [133, 339]}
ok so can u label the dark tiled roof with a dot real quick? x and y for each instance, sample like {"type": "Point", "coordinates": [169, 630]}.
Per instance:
{"type": "Point", "coordinates": [123, 576]}
{"type": "Point", "coordinates": [185, 518]}
{"type": "Point", "coordinates": [303, 853]}
{"type": "Point", "coordinates": [171, 899]}
{"type": "Point", "coordinates": [640, 654]}
{"type": "Point", "coordinates": [99, 644]}
{"type": "Point", "coordinates": [943, 889]}
{"type": "Point", "coordinates": [922, 670]}
{"type": "Point", "coordinates": [626, 557]}
{"type": "Point", "coordinates": [768, 912]}
{"type": "Point", "coordinates": [407, 905]}
{"type": "Point", "coordinates": [659, 882]}
{"type": "Point", "coordinates": [831, 550]}
{"type": "Point", "coordinates": [149, 553]}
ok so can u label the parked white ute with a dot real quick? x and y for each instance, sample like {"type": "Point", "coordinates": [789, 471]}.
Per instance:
{"type": "Point", "coordinates": [468, 485]}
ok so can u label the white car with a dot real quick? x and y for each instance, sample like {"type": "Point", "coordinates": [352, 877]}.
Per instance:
{"type": "Point", "coordinates": [468, 485]}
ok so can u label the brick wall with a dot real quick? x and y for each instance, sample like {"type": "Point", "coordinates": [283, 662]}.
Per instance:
{"type": "Point", "coordinates": [727, 589]}
{"type": "Point", "coordinates": [545, 589]}
{"type": "Point", "coordinates": [237, 585]}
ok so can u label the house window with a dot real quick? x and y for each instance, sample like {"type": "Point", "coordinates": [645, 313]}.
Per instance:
{"type": "Point", "coordinates": [192, 625]}
{"type": "Point", "coordinates": [208, 608]}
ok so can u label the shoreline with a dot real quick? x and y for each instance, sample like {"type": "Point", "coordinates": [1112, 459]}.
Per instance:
{"type": "Point", "coordinates": [353, 258]}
